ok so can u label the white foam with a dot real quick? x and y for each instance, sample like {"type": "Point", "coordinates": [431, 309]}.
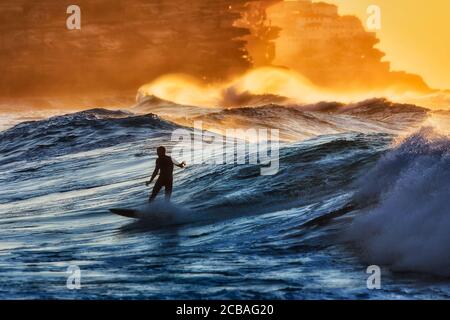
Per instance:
{"type": "Point", "coordinates": [409, 228]}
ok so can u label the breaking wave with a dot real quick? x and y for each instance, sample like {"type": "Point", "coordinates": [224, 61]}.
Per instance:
{"type": "Point", "coordinates": [408, 226]}
{"type": "Point", "coordinates": [339, 174]}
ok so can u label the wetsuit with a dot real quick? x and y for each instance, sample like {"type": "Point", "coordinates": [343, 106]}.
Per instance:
{"type": "Point", "coordinates": [165, 166]}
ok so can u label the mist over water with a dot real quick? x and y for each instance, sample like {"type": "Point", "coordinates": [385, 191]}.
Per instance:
{"type": "Point", "coordinates": [348, 193]}
{"type": "Point", "coordinates": [264, 85]}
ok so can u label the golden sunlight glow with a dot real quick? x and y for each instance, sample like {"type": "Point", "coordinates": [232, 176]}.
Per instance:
{"type": "Point", "coordinates": [414, 35]}
{"type": "Point", "coordinates": [276, 81]}
{"type": "Point", "coordinates": [182, 89]}
{"type": "Point", "coordinates": [186, 90]}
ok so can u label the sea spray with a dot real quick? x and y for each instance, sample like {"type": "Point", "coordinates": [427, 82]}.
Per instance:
{"type": "Point", "coordinates": [408, 228]}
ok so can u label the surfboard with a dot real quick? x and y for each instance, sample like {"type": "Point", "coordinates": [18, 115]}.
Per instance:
{"type": "Point", "coordinates": [129, 213]}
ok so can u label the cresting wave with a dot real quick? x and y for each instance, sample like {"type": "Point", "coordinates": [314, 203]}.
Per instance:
{"type": "Point", "coordinates": [296, 122]}
{"type": "Point", "coordinates": [98, 128]}
{"type": "Point", "coordinates": [64, 173]}
{"type": "Point", "coordinates": [81, 131]}
{"type": "Point", "coordinates": [311, 172]}
{"type": "Point", "coordinates": [408, 227]}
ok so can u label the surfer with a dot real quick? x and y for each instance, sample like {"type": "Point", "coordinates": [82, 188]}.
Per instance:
{"type": "Point", "coordinates": [164, 165]}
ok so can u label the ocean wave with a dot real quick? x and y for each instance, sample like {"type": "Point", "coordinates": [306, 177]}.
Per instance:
{"type": "Point", "coordinates": [309, 171]}
{"type": "Point", "coordinates": [303, 122]}
{"type": "Point", "coordinates": [407, 225]}
{"type": "Point", "coordinates": [57, 206]}
{"type": "Point", "coordinates": [81, 131]}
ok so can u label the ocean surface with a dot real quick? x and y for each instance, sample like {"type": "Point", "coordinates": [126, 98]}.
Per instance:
{"type": "Point", "coordinates": [360, 185]}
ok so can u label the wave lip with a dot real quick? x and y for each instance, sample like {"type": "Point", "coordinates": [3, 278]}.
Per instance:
{"type": "Point", "coordinates": [408, 228]}
{"type": "Point", "coordinates": [297, 122]}
{"type": "Point", "coordinates": [80, 131]}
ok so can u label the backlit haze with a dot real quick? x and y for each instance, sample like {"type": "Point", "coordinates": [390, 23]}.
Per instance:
{"type": "Point", "coordinates": [221, 52]}
{"type": "Point", "coordinates": [414, 35]}
{"type": "Point", "coordinates": [338, 76]}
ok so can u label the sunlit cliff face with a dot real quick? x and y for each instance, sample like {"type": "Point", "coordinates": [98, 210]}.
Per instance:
{"type": "Point", "coordinates": [305, 52]}
{"type": "Point", "coordinates": [121, 45]}
{"type": "Point", "coordinates": [334, 51]}
{"type": "Point", "coordinates": [221, 52]}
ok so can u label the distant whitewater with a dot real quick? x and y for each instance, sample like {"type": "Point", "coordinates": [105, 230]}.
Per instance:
{"type": "Point", "coordinates": [295, 122]}
{"type": "Point", "coordinates": [358, 184]}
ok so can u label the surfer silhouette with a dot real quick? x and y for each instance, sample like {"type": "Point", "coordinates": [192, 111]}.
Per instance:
{"type": "Point", "coordinates": [164, 165]}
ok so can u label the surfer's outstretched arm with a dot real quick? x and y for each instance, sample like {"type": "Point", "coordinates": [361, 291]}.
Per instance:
{"type": "Point", "coordinates": [180, 165]}
{"type": "Point", "coordinates": [155, 173]}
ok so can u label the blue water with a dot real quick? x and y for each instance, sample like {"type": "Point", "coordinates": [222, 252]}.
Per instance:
{"type": "Point", "coordinates": [249, 237]}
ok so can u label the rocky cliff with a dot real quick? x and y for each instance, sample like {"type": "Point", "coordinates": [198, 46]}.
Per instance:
{"type": "Point", "coordinates": [122, 44]}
